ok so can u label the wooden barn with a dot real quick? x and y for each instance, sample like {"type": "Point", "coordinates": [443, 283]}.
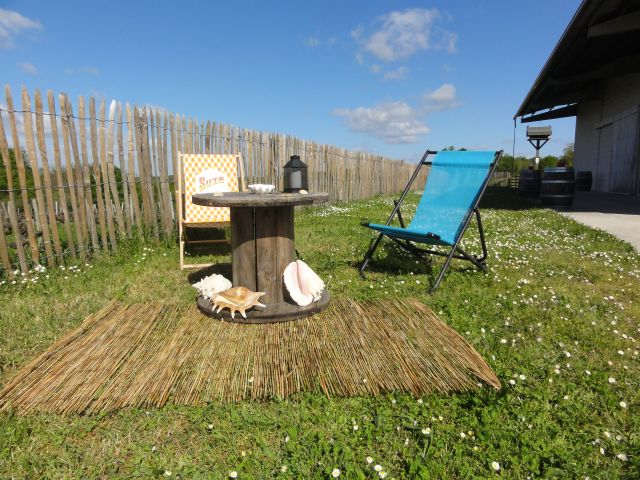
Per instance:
{"type": "Point", "coordinates": [593, 74]}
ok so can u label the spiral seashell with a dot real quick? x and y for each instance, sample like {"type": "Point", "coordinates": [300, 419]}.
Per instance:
{"type": "Point", "coordinates": [237, 299]}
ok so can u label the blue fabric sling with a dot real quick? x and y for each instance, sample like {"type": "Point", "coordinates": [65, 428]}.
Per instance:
{"type": "Point", "coordinates": [455, 181]}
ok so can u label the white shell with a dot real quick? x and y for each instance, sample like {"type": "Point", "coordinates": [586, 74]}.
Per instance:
{"type": "Point", "coordinates": [211, 285]}
{"type": "Point", "coordinates": [304, 192]}
{"type": "Point", "coordinates": [262, 188]}
{"type": "Point", "coordinates": [303, 284]}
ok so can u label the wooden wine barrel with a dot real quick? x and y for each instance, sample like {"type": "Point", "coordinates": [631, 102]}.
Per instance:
{"type": "Point", "coordinates": [529, 183]}
{"type": "Point", "coordinates": [584, 180]}
{"type": "Point", "coordinates": [557, 187]}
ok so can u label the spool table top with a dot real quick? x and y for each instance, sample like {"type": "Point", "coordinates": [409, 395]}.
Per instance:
{"type": "Point", "coordinates": [246, 199]}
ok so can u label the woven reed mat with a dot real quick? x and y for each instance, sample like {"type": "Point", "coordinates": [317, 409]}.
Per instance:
{"type": "Point", "coordinates": [145, 355]}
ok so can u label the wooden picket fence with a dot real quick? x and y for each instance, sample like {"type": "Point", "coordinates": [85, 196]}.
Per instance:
{"type": "Point", "coordinates": [500, 179]}
{"type": "Point", "coordinates": [102, 174]}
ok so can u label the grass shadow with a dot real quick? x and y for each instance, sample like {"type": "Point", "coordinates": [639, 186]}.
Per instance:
{"type": "Point", "coordinates": [207, 252]}
{"type": "Point", "coordinates": [223, 269]}
{"type": "Point", "coordinates": [390, 258]}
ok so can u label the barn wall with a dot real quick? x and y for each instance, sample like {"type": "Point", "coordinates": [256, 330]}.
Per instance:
{"type": "Point", "coordinates": [587, 137]}
{"type": "Point", "coordinates": [607, 136]}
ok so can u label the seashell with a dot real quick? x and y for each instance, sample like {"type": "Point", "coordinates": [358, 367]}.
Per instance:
{"type": "Point", "coordinates": [237, 299]}
{"type": "Point", "coordinates": [209, 286]}
{"type": "Point", "coordinates": [303, 284]}
{"type": "Point", "coordinates": [304, 192]}
{"type": "Point", "coordinates": [261, 188]}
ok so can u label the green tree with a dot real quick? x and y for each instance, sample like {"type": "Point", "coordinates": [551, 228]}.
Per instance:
{"type": "Point", "coordinates": [510, 164]}
{"type": "Point", "coordinates": [567, 155]}
{"type": "Point", "coordinates": [548, 161]}
{"type": "Point", "coordinates": [451, 148]}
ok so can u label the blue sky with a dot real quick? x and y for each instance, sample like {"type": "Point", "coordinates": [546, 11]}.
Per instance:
{"type": "Point", "coordinates": [387, 77]}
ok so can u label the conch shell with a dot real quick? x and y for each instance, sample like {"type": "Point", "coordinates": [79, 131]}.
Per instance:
{"type": "Point", "coordinates": [211, 285]}
{"type": "Point", "coordinates": [303, 284]}
{"type": "Point", "coordinates": [237, 299]}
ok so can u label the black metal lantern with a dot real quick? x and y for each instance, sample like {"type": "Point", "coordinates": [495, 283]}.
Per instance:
{"type": "Point", "coordinates": [295, 175]}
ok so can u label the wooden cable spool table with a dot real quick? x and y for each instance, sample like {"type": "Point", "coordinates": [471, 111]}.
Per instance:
{"type": "Point", "coordinates": [262, 243]}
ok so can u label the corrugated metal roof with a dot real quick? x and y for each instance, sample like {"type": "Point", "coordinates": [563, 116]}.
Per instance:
{"type": "Point", "coordinates": [601, 41]}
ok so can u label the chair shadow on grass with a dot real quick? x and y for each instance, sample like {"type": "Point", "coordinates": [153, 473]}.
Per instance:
{"type": "Point", "coordinates": [391, 259]}
{"type": "Point", "coordinates": [211, 252]}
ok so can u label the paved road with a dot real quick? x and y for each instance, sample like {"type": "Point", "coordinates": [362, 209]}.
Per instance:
{"type": "Point", "coordinates": [617, 214]}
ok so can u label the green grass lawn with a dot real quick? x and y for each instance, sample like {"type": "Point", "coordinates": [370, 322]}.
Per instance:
{"type": "Point", "coordinates": [557, 316]}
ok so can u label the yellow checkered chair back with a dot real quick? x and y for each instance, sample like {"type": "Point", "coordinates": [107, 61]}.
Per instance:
{"type": "Point", "coordinates": [208, 173]}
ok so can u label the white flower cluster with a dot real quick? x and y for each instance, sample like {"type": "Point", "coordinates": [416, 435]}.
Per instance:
{"type": "Point", "coordinates": [39, 273]}
{"type": "Point", "coordinates": [376, 468]}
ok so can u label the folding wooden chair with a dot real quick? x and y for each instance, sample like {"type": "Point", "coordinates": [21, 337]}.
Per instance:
{"type": "Point", "coordinates": [205, 173]}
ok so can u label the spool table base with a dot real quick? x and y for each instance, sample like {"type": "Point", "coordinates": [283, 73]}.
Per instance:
{"type": "Point", "coordinates": [278, 312]}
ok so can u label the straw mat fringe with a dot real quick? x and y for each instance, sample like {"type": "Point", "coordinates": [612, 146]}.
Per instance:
{"type": "Point", "coordinates": [145, 355]}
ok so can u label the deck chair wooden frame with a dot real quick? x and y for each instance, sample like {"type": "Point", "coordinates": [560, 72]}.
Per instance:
{"type": "Point", "coordinates": [185, 222]}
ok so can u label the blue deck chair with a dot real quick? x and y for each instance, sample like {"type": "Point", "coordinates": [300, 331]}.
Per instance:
{"type": "Point", "coordinates": [456, 182]}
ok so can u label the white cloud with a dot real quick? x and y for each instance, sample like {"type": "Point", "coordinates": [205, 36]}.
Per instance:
{"type": "Point", "coordinates": [20, 128]}
{"type": "Point", "coordinates": [312, 42]}
{"type": "Point", "coordinates": [397, 74]}
{"type": "Point", "coordinates": [7, 125]}
{"type": "Point", "coordinates": [442, 98]}
{"type": "Point", "coordinates": [402, 34]}
{"type": "Point", "coordinates": [11, 24]}
{"type": "Point", "coordinates": [29, 68]}
{"type": "Point", "coordinates": [393, 122]}
{"type": "Point", "coordinates": [398, 122]}
{"type": "Point", "coordinates": [99, 95]}
{"type": "Point", "coordinates": [90, 70]}
{"type": "Point", "coordinates": [155, 108]}
{"type": "Point", "coordinates": [449, 42]}
{"type": "Point", "coordinates": [86, 69]}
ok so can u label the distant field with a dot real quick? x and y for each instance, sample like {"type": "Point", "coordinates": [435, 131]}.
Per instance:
{"type": "Point", "coordinates": [557, 317]}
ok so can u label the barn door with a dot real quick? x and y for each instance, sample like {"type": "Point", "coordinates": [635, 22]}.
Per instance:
{"type": "Point", "coordinates": [624, 157]}
{"type": "Point", "coordinates": [605, 152]}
